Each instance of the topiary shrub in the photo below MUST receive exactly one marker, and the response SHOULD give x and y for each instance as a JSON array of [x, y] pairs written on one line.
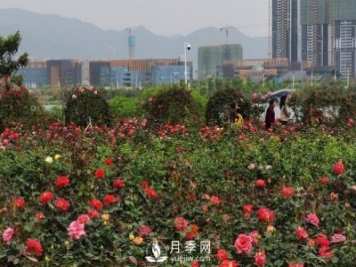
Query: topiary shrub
[[86, 105], [322, 105], [174, 105], [17, 105], [218, 106]]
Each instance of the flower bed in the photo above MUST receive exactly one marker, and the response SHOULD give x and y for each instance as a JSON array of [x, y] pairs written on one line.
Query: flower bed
[[107, 196]]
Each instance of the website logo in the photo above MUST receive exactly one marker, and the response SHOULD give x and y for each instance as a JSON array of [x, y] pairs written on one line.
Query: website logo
[[156, 253]]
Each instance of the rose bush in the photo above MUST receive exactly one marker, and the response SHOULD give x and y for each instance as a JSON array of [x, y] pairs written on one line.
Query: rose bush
[[101, 196]]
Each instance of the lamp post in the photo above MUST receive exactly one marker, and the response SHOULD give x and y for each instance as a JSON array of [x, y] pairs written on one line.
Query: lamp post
[[186, 47]]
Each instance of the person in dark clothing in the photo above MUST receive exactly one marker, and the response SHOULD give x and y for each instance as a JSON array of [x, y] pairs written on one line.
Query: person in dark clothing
[[270, 115]]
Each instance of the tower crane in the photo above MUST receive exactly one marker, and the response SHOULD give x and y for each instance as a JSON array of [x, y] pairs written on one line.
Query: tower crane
[[227, 27]]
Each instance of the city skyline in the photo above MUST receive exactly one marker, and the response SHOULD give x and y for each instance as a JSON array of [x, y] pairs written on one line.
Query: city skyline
[[173, 17]]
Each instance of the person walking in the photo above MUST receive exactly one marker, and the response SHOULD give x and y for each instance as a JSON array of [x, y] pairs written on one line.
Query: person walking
[[270, 115], [285, 114]]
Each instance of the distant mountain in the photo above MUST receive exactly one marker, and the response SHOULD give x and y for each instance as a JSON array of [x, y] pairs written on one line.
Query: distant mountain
[[56, 37]]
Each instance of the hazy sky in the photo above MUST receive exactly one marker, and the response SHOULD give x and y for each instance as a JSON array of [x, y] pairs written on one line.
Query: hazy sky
[[163, 17]]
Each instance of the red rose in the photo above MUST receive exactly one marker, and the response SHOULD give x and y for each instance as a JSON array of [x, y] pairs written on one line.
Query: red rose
[[195, 264], [19, 203], [260, 183], [322, 240], [339, 167], [119, 183], [96, 204], [247, 208], [221, 255], [46, 196], [265, 215], [287, 192], [62, 204], [109, 199], [150, 192], [243, 244], [144, 184], [108, 161], [62, 181], [144, 231], [33, 245], [301, 233], [100, 173], [325, 252]]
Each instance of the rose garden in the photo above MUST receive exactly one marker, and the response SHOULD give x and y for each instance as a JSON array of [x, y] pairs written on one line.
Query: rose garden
[[90, 186]]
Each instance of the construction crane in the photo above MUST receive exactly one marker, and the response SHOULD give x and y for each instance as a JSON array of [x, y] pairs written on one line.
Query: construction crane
[[226, 30], [131, 42]]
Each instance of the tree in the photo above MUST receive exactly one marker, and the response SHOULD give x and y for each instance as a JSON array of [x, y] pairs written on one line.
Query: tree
[[8, 65], [17, 105]]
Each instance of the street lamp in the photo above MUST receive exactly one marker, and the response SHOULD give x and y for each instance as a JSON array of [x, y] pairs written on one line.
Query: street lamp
[[186, 47]]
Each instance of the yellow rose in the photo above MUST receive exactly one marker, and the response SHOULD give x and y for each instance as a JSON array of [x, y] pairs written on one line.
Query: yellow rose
[[131, 237], [49, 159], [138, 240], [105, 217], [57, 156]]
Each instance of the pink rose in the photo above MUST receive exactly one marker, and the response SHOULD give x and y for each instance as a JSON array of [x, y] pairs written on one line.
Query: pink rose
[[312, 219], [243, 243], [338, 238], [76, 230], [7, 235]]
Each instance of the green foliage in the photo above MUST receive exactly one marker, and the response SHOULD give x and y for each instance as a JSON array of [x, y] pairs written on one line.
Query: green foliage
[[124, 107], [86, 105], [8, 49], [173, 106]]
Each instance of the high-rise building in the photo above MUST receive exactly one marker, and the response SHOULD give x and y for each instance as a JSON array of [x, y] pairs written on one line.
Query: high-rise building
[[317, 32], [328, 34], [344, 22], [210, 59], [286, 29]]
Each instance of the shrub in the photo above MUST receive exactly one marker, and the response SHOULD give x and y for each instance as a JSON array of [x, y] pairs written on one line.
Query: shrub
[[17, 105], [86, 105], [219, 104], [173, 106]]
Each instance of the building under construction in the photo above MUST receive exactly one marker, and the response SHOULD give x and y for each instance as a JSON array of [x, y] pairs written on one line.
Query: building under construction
[[328, 34], [285, 29], [211, 58], [322, 32]]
